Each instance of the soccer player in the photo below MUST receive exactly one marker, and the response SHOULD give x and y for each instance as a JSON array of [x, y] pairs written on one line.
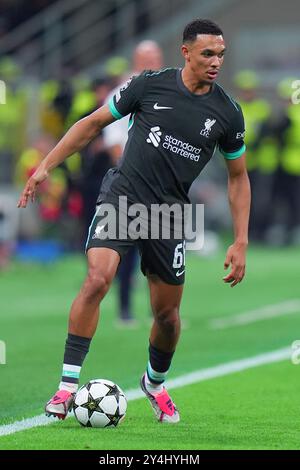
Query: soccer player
[[179, 116]]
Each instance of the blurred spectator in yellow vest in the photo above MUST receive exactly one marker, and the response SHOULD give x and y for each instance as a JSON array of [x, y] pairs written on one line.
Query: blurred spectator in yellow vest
[[285, 195], [257, 113], [55, 104], [51, 193], [57, 202], [12, 118]]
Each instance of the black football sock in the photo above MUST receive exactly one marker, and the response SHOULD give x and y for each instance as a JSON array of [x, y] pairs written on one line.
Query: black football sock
[[158, 366], [76, 349]]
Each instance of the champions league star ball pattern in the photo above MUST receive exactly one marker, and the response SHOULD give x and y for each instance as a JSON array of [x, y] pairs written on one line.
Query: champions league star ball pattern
[[100, 404]]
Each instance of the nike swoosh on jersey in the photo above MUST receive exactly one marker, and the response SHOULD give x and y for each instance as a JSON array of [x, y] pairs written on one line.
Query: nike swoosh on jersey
[[161, 107], [179, 273]]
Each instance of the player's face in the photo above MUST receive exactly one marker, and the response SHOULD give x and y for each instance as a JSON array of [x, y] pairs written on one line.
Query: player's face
[[204, 57]]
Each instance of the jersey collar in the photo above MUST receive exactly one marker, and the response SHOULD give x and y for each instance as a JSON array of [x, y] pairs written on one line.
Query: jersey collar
[[187, 92]]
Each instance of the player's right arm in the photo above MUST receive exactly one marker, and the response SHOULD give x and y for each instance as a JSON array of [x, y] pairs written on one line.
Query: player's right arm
[[126, 101], [77, 137]]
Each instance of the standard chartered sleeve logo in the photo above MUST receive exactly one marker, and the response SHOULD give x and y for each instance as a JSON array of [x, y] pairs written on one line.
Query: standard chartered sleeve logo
[[2, 352], [154, 136], [2, 92]]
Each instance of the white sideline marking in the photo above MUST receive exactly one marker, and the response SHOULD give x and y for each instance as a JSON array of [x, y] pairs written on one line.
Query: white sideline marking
[[182, 381], [252, 316]]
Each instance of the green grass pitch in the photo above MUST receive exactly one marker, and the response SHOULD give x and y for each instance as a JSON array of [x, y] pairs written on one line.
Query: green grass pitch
[[253, 409]]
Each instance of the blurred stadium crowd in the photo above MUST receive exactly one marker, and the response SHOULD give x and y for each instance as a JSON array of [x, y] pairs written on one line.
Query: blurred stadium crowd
[[67, 198]]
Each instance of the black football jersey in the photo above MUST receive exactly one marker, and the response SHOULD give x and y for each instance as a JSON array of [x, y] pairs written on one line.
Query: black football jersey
[[172, 135]]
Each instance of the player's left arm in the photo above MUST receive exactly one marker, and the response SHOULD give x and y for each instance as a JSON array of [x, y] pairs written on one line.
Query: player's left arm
[[239, 195]]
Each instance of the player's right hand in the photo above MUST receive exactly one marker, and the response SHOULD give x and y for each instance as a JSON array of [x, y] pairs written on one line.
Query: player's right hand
[[29, 191]]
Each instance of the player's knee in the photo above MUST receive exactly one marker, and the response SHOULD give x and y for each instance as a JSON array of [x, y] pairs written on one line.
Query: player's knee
[[168, 318], [97, 283]]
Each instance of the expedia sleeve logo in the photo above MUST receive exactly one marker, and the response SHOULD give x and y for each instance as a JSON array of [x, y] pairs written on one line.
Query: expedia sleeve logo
[[240, 135]]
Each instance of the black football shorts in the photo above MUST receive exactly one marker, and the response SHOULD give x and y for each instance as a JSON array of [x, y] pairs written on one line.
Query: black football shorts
[[163, 257]]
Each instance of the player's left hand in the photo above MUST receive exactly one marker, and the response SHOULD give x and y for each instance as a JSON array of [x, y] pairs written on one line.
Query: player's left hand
[[236, 257]]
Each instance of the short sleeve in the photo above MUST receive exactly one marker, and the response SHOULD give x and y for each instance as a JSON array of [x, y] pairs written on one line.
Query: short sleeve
[[232, 145], [128, 98]]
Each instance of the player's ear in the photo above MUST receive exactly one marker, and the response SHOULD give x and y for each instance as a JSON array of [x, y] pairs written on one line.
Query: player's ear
[[185, 52]]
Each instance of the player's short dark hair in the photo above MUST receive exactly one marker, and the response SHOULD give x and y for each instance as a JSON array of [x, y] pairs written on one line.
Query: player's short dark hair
[[200, 26]]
